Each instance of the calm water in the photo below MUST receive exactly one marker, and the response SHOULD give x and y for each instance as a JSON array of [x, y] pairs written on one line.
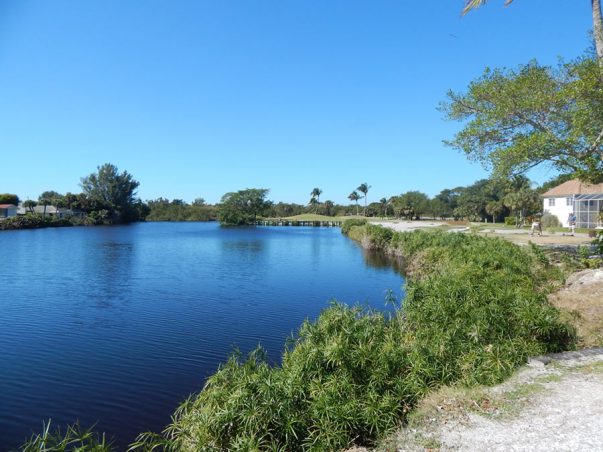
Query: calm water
[[117, 325]]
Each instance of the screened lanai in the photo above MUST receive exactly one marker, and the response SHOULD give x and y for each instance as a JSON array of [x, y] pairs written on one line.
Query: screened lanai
[[589, 209]]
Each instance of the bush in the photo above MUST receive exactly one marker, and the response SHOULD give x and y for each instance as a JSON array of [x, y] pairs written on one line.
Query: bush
[[510, 221], [349, 224], [550, 221]]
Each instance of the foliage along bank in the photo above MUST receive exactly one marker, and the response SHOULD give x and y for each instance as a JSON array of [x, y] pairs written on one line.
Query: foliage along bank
[[475, 310]]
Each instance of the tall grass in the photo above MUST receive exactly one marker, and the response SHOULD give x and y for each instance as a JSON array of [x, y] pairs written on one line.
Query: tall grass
[[475, 309]]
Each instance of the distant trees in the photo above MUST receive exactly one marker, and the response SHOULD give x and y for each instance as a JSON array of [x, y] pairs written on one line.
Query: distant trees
[[112, 191], [243, 207], [177, 210], [9, 198]]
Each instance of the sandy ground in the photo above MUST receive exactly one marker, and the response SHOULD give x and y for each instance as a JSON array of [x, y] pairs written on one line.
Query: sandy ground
[[567, 415], [554, 403]]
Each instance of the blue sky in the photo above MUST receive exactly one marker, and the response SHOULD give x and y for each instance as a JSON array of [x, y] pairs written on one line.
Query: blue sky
[[198, 98]]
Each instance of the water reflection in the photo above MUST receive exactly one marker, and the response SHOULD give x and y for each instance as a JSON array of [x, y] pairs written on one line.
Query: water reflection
[[380, 260]]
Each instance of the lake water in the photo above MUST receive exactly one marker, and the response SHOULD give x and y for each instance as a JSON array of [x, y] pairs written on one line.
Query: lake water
[[117, 325]]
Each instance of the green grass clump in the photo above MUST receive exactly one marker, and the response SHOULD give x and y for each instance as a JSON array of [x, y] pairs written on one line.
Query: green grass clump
[[74, 438], [475, 309]]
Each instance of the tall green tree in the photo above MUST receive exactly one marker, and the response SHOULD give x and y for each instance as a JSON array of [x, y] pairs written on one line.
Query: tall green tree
[[112, 190], [354, 196], [514, 120], [595, 6], [243, 207], [364, 188]]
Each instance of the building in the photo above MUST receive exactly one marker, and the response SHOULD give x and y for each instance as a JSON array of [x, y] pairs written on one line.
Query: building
[[584, 200], [8, 210]]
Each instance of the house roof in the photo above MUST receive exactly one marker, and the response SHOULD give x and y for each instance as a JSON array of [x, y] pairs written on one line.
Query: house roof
[[574, 187], [6, 206]]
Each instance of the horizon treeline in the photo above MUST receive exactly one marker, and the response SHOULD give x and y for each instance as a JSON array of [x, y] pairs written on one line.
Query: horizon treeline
[[110, 197]]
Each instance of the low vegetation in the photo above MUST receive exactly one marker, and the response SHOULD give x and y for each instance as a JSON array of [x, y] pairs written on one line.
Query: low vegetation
[[475, 309]]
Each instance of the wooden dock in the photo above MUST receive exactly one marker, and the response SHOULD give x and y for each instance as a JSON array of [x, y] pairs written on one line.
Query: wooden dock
[[283, 222]]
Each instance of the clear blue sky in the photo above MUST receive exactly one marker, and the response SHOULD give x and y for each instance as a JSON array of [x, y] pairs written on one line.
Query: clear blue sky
[[198, 98]]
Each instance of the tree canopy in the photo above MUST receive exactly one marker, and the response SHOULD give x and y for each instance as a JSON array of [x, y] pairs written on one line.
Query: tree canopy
[[9, 198], [111, 190], [243, 207], [517, 119]]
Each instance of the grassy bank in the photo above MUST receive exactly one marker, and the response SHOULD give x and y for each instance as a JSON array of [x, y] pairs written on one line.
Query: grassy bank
[[475, 309]]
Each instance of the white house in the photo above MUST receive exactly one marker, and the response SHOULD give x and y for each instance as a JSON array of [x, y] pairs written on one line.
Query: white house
[[8, 210], [584, 200]]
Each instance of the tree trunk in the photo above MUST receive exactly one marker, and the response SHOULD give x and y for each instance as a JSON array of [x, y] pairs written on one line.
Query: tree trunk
[[598, 28]]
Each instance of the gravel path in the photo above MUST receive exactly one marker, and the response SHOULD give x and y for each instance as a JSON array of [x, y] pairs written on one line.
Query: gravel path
[[567, 416]]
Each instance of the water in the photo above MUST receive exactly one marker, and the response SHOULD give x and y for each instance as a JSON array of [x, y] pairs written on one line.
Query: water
[[117, 325]]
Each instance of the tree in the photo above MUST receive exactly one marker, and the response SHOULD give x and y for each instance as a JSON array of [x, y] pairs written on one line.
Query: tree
[[522, 202], [315, 198], [494, 209], [329, 205], [354, 196], [9, 198], [112, 191], [515, 120], [596, 14], [243, 207], [49, 197], [413, 203], [364, 188], [384, 204], [29, 204]]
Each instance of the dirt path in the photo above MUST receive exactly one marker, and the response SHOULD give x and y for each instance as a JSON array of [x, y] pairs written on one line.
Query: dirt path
[[552, 404], [565, 412]]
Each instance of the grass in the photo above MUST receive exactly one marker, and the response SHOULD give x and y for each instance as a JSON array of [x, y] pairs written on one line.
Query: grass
[[475, 309]]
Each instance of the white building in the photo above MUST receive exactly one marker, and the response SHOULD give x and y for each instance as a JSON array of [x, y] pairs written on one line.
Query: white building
[[8, 210], [584, 200]]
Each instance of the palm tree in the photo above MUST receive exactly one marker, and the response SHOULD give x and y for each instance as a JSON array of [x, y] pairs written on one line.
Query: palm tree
[[29, 205], [384, 203], [596, 13], [364, 188], [315, 197], [314, 202], [354, 196]]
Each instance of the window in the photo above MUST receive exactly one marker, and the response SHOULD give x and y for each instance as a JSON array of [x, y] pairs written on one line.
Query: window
[[569, 202], [551, 202]]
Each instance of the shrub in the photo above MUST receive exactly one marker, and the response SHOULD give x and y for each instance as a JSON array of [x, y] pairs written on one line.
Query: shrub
[[349, 224], [510, 221], [550, 221]]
